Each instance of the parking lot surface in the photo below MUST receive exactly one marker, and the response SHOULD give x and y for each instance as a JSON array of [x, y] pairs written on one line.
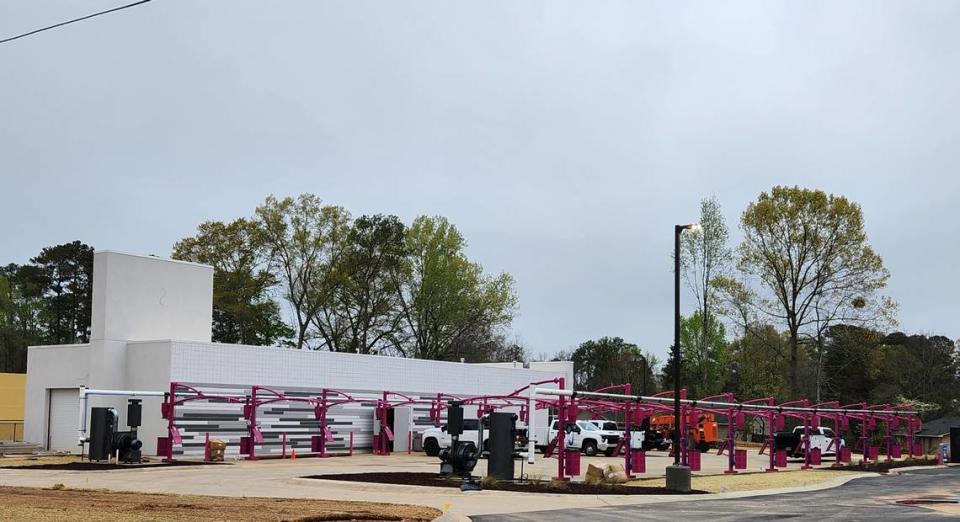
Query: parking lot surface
[[868, 498]]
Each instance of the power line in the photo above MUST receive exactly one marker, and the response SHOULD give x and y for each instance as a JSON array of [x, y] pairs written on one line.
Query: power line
[[54, 26]]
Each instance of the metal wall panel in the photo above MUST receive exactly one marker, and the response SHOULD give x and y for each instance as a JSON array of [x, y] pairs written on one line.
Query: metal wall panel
[[224, 421], [63, 412], [232, 369]]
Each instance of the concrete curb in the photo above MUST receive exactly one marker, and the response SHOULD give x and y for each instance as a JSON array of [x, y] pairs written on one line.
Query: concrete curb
[[897, 471], [452, 516]]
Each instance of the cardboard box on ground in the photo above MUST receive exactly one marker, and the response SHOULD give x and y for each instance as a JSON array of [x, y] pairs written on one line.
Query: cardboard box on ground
[[609, 474], [216, 448]]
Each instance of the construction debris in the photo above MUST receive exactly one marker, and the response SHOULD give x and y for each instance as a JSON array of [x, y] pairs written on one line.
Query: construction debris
[[609, 474]]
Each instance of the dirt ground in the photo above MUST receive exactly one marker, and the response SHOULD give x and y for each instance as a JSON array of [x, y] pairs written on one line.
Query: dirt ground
[[753, 481], [47, 505], [19, 460], [65, 464]]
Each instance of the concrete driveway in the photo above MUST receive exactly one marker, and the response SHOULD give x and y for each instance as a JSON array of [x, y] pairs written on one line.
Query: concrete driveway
[[869, 498]]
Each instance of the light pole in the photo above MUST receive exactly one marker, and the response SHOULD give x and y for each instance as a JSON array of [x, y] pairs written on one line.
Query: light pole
[[678, 477]]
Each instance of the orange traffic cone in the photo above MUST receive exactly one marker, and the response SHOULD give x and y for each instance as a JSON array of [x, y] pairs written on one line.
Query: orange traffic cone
[[293, 454]]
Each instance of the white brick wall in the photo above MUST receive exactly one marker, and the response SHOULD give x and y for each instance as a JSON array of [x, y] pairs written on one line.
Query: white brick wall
[[213, 363]]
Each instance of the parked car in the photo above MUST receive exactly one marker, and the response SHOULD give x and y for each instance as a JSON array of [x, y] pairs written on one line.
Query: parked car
[[640, 436], [435, 439], [820, 437], [588, 437]]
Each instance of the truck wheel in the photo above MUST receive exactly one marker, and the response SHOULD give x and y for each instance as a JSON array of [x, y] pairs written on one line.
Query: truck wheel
[[431, 447], [589, 448]]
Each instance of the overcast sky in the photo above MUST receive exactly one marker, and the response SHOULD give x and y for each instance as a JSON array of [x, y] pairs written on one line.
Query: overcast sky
[[564, 139]]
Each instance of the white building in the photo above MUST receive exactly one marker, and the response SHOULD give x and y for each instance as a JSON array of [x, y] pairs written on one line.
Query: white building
[[151, 324]]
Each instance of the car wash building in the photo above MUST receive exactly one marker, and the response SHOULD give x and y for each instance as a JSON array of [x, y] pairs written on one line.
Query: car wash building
[[151, 325]]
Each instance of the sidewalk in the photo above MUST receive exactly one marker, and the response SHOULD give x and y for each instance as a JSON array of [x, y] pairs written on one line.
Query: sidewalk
[[280, 479]]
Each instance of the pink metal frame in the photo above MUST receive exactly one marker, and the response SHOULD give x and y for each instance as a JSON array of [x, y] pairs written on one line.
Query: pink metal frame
[[567, 408]]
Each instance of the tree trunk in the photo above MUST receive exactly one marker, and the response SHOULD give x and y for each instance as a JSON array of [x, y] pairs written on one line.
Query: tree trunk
[[792, 368], [301, 335], [819, 367]]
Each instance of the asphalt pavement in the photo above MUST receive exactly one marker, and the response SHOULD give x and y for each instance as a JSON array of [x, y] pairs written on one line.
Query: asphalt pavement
[[869, 498]]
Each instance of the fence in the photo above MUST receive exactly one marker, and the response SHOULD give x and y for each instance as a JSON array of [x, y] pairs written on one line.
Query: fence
[[11, 430]]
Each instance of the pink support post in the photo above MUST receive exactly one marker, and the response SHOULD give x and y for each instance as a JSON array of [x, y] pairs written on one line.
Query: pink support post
[[807, 421], [914, 426], [323, 423], [627, 454], [171, 421], [888, 435], [772, 444], [283, 448], [206, 447], [773, 420], [252, 424], [731, 441], [561, 433], [351, 445], [685, 411], [838, 429], [864, 438]]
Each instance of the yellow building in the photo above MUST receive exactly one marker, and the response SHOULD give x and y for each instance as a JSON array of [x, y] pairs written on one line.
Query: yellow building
[[12, 387]]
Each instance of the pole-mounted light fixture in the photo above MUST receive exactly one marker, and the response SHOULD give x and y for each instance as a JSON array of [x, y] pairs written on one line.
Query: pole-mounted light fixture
[[678, 230]]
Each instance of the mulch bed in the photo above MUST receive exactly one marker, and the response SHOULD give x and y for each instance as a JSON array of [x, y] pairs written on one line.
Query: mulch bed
[[884, 467], [435, 480], [105, 466]]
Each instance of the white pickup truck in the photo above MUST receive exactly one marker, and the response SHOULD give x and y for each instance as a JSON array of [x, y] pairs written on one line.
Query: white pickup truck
[[640, 438], [820, 437], [590, 437], [435, 439]]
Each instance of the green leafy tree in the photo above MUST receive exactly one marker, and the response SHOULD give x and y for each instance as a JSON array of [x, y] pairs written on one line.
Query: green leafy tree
[[705, 358], [610, 361], [759, 364], [484, 346], [809, 251], [443, 295], [704, 256], [22, 315], [367, 308], [917, 368], [243, 309], [65, 276], [304, 240], [849, 353], [734, 300]]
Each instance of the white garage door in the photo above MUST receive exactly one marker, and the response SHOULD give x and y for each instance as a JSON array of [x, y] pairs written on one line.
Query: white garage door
[[62, 424]]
